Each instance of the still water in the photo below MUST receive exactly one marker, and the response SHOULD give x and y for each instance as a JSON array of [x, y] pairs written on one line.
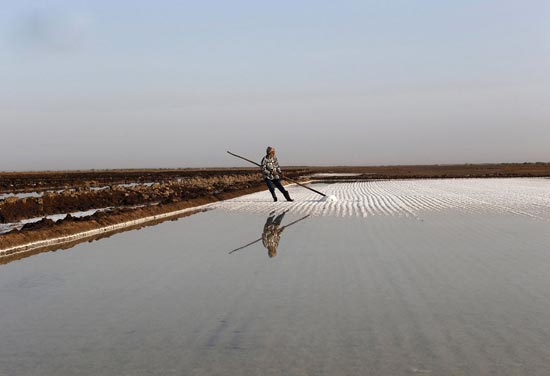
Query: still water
[[448, 294]]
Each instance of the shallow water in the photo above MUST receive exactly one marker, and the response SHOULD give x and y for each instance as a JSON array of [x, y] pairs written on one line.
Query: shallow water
[[4, 196], [448, 292], [7, 227]]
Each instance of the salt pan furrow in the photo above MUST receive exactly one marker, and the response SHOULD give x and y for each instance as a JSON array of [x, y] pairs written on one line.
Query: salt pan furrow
[[406, 203], [376, 205], [499, 208], [363, 210], [403, 207], [458, 202], [364, 194], [411, 202], [305, 208], [471, 199], [407, 208], [388, 209], [332, 209], [427, 199], [450, 200], [346, 209], [382, 205], [428, 203], [506, 201], [455, 199], [390, 205], [539, 207], [370, 205], [355, 209], [425, 203]]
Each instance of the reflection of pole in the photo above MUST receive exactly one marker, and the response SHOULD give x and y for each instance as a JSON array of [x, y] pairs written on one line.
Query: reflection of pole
[[256, 241], [244, 246]]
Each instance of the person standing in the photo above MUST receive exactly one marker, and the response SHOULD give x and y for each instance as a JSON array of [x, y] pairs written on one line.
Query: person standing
[[272, 174]]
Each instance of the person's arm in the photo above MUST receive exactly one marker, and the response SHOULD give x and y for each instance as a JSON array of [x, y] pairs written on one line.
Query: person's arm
[[277, 167]]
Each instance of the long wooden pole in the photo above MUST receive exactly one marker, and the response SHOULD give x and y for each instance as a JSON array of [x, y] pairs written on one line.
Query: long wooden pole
[[289, 179]]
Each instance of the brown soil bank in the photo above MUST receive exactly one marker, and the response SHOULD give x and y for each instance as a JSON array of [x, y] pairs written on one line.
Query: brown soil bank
[[44, 180], [11, 182], [13, 209], [539, 169]]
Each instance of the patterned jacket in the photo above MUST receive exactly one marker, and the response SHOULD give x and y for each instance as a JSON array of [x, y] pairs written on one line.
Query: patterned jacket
[[270, 168], [271, 235]]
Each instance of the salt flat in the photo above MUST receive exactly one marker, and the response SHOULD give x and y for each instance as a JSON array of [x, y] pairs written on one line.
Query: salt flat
[[518, 196], [431, 277]]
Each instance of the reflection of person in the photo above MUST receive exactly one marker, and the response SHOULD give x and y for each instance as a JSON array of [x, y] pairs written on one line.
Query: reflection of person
[[272, 233], [272, 174]]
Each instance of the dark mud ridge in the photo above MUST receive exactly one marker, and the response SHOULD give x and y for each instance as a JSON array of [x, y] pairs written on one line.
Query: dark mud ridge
[[56, 180], [85, 198]]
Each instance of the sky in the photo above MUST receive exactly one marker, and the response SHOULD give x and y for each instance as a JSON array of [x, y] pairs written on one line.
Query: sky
[[143, 84]]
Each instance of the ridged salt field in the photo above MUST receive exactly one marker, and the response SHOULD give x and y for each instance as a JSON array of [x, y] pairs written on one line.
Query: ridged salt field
[[524, 197], [411, 277]]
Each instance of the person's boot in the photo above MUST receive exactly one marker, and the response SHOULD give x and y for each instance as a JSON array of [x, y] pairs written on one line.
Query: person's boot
[[287, 196], [274, 196]]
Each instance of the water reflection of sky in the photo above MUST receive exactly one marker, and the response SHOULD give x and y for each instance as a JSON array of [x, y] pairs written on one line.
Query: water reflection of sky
[[454, 293]]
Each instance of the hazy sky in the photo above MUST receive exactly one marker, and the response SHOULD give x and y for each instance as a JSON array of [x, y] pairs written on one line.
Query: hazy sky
[[113, 84]]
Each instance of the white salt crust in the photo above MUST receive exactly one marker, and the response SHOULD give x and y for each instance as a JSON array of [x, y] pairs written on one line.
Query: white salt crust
[[528, 197]]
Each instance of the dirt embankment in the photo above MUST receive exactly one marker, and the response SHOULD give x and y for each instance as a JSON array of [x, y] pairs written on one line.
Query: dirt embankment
[[13, 209], [11, 182], [502, 170], [15, 182]]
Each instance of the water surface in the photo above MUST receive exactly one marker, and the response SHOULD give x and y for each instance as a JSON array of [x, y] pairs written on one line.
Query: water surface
[[446, 293]]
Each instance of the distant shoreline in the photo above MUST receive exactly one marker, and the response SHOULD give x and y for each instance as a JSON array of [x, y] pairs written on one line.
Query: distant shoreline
[[44, 180]]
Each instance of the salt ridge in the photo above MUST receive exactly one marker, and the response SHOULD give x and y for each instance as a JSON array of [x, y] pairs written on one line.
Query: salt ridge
[[527, 197]]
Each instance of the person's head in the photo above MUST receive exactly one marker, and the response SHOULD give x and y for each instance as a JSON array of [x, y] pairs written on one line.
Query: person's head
[[271, 251], [270, 151]]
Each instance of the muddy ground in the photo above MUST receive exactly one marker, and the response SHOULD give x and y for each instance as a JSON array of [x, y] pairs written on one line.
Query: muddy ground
[[11, 182], [84, 198], [38, 181], [503, 170]]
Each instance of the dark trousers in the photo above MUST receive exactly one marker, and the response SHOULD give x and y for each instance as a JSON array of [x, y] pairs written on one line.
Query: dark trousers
[[271, 184]]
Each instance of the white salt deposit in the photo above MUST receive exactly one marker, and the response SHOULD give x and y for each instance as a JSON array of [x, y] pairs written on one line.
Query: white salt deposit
[[527, 197], [331, 198]]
